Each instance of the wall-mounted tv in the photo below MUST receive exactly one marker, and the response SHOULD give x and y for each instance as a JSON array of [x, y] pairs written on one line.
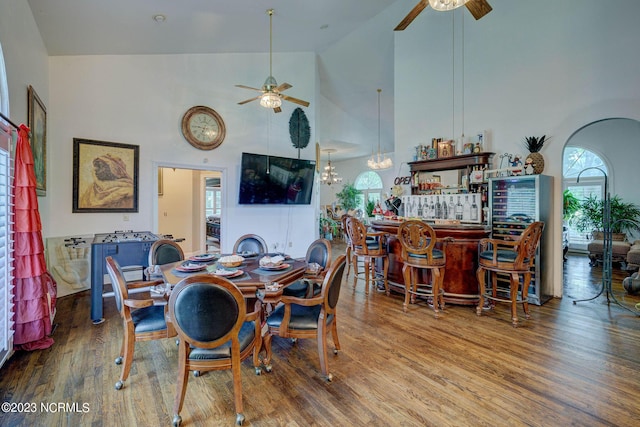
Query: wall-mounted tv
[[275, 180]]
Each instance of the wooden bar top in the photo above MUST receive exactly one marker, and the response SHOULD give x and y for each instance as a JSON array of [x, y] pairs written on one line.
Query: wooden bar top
[[460, 283]]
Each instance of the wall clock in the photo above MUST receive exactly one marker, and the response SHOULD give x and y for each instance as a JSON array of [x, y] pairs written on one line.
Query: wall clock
[[203, 127]]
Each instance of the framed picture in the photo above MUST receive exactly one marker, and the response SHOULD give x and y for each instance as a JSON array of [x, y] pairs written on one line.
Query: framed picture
[[467, 148], [105, 176], [446, 149], [38, 125]]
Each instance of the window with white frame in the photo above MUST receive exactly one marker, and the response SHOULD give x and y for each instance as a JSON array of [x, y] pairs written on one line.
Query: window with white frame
[[370, 184], [6, 248], [580, 162]]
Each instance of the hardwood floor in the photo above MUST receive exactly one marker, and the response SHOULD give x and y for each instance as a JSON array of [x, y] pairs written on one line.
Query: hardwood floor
[[568, 365]]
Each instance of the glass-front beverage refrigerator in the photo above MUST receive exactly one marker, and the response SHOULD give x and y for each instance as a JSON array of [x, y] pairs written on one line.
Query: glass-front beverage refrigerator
[[515, 202]]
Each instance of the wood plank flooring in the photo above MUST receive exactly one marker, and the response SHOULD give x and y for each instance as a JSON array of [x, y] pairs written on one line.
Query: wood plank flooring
[[568, 365]]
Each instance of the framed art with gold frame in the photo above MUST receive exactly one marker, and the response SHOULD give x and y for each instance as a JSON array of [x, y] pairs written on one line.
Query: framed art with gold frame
[[105, 176], [446, 149], [37, 119]]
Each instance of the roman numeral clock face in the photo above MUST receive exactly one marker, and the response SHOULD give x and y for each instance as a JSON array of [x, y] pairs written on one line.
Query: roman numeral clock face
[[203, 127]]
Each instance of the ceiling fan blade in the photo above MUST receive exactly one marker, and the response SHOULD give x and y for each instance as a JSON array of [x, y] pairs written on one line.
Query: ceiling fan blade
[[249, 87], [411, 16], [277, 110], [282, 87], [249, 100], [478, 8], [295, 100]]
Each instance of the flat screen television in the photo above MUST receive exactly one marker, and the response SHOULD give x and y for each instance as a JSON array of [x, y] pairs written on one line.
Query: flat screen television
[[266, 180]]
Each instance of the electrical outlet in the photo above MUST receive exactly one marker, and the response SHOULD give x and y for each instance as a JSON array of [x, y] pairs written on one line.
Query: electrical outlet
[[125, 217], [290, 244]]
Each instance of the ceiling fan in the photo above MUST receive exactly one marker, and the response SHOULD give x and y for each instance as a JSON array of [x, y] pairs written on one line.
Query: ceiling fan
[[478, 9], [272, 96]]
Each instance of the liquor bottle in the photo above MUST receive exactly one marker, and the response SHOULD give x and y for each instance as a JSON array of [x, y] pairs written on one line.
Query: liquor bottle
[[459, 209], [452, 209], [419, 207], [438, 209], [445, 210], [432, 209], [474, 209], [426, 206], [466, 209]]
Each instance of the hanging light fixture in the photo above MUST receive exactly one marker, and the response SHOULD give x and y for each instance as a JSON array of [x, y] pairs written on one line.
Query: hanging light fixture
[[379, 161], [444, 5], [329, 174], [270, 99]]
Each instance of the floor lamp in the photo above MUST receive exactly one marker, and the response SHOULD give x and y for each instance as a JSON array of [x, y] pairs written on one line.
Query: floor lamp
[[607, 254]]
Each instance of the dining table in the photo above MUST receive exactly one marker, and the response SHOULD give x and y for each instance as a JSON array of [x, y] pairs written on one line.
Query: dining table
[[249, 276], [259, 285]]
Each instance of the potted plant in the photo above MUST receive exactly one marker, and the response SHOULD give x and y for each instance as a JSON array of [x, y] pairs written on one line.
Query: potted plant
[[348, 197], [570, 205], [328, 227], [624, 218], [371, 205]]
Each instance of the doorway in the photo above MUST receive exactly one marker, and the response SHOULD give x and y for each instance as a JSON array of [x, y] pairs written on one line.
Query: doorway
[[183, 203]]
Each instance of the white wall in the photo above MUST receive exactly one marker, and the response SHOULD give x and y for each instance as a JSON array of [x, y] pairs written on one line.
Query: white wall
[[26, 64], [531, 68], [140, 100]]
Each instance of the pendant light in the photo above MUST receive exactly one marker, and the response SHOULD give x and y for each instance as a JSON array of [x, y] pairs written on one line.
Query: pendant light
[[379, 161], [329, 174]]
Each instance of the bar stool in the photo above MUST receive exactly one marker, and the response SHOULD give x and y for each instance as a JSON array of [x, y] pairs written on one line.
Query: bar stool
[[369, 247], [418, 241], [513, 258], [347, 241]]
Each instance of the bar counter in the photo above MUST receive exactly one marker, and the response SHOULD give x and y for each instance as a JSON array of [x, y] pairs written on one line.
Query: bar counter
[[460, 283]]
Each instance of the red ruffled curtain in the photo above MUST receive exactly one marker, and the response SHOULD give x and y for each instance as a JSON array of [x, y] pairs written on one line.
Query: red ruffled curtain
[[34, 288]]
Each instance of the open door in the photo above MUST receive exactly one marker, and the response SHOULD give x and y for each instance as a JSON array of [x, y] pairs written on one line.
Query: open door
[[203, 199]]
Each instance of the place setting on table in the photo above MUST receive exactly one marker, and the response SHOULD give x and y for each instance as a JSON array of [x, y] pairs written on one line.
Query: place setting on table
[[248, 271]]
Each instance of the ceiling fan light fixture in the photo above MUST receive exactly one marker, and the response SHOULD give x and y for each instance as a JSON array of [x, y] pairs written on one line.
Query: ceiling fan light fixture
[[444, 5], [270, 100]]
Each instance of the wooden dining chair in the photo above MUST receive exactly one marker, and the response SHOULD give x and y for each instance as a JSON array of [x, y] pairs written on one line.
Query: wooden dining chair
[[347, 241], [513, 259], [250, 243], [216, 333], [165, 251], [141, 319], [318, 252], [369, 247], [310, 317], [418, 240]]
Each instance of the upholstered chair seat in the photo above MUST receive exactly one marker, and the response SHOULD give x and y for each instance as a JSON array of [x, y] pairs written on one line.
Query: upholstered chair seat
[[149, 319], [319, 252], [215, 331], [311, 317]]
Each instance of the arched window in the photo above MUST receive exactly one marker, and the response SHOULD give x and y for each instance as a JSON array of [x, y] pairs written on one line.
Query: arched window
[[370, 184], [576, 160]]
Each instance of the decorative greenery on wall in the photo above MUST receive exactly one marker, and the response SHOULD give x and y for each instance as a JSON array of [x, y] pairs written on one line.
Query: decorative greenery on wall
[[299, 129]]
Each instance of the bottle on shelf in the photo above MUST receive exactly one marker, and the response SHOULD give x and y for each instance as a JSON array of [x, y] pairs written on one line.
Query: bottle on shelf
[[438, 209], [474, 209], [466, 208], [445, 209], [459, 210], [432, 208], [451, 209]]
